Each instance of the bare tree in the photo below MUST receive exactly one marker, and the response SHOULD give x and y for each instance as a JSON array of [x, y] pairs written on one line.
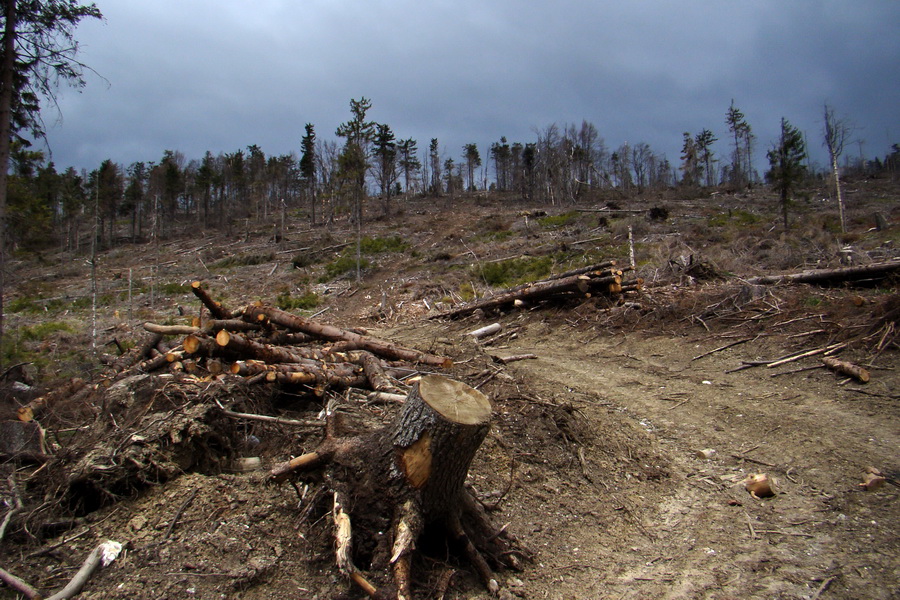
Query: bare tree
[[837, 133]]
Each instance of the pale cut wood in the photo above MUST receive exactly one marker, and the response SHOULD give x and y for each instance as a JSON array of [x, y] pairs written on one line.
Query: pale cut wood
[[454, 400], [846, 368]]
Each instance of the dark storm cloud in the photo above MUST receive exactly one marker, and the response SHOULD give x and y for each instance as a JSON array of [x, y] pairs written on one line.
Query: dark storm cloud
[[196, 76]]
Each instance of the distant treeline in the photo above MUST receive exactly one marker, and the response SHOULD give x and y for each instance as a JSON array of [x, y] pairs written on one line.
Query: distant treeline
[[344, 175]]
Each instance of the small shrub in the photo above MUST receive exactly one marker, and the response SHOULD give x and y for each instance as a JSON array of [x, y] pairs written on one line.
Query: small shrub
[[246, 260], [301, 261], [175, 289], [515, 271], [345, 264], [285, 301], [394, 243], [659, 213], [558, 221], [467, 292], [41, 331]]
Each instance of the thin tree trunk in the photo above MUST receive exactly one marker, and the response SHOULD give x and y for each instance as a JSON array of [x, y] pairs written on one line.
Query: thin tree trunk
[[7, 69], [837, 187]]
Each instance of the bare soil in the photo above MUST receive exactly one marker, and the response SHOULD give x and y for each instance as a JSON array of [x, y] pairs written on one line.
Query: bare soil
[[592, 461]]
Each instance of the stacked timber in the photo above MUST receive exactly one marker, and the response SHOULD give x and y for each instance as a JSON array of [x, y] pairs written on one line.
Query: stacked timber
[[266, 344], [602, 279]]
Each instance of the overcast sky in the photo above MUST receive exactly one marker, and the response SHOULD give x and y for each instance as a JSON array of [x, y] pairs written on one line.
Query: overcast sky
[[219, 75]]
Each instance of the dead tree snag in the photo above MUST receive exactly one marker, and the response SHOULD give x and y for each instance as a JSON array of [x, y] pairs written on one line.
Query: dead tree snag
[[408, 479]]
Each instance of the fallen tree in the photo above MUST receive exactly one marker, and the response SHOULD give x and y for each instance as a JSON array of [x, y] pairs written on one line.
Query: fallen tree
[[602, 278], [832, 276]]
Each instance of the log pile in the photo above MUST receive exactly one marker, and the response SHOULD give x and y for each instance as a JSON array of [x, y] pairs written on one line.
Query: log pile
[[265, 344], [603, 279]]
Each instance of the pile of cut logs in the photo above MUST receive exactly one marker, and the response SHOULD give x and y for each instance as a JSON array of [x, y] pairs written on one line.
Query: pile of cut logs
[[599, 279], [263, 343]]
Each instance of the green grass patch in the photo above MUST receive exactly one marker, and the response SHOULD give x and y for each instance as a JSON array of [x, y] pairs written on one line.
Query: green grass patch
[[286, 301], [343, 265], [394, 243], [512, 272], [733, 217], [246, 260], [20, 345], [467, 292], [174, 289], [41, 331], [558, 221]]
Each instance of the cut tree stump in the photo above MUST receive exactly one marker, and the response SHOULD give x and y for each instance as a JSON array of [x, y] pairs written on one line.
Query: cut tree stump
[[408, 479]]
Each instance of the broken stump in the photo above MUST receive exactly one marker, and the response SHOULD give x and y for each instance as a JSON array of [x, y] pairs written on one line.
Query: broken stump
[[407, 479]]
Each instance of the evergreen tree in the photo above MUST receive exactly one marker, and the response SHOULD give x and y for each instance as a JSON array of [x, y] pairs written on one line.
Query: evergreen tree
[[473, 161], [384, 153], [38, 51], [742, 153], [529, 166], [690, 161], [110, 190], [703, 145], [409, 161], [434, 158], [308, 168], [353, 161], [135, 195], [204, 182], [786, 166], [501, 155]]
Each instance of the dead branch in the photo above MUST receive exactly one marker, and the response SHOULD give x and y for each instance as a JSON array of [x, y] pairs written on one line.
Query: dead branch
[[846, 368], [270, 419], [103, 554], [19, 585], [260, 313]]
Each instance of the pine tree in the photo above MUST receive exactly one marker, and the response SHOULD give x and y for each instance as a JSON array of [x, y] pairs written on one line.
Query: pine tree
[[308, 168], [786, 167], [434, 157], [742, 152], [690, 162], [38, 51], [353, 160], [409, 161], [384, 153], [703, 144], [473, 161]]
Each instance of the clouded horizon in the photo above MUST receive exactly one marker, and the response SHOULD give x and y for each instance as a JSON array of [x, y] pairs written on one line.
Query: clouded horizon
[[220, 75]]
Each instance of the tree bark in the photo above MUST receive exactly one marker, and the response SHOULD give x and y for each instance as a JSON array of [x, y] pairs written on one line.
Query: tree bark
[[873, 271], [584, 283], [215, 308], [407, 476], [846, 368], [7, 70]]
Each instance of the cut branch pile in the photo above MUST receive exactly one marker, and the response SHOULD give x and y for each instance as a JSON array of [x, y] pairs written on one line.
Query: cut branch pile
[[599, 279], [266, 344]]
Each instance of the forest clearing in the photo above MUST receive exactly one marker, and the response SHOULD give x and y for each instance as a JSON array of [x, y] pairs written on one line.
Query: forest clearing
[[629, 408]]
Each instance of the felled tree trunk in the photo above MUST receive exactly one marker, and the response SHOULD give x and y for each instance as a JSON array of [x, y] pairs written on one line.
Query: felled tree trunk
[[604, 281], [832, 276], [408, 478]]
